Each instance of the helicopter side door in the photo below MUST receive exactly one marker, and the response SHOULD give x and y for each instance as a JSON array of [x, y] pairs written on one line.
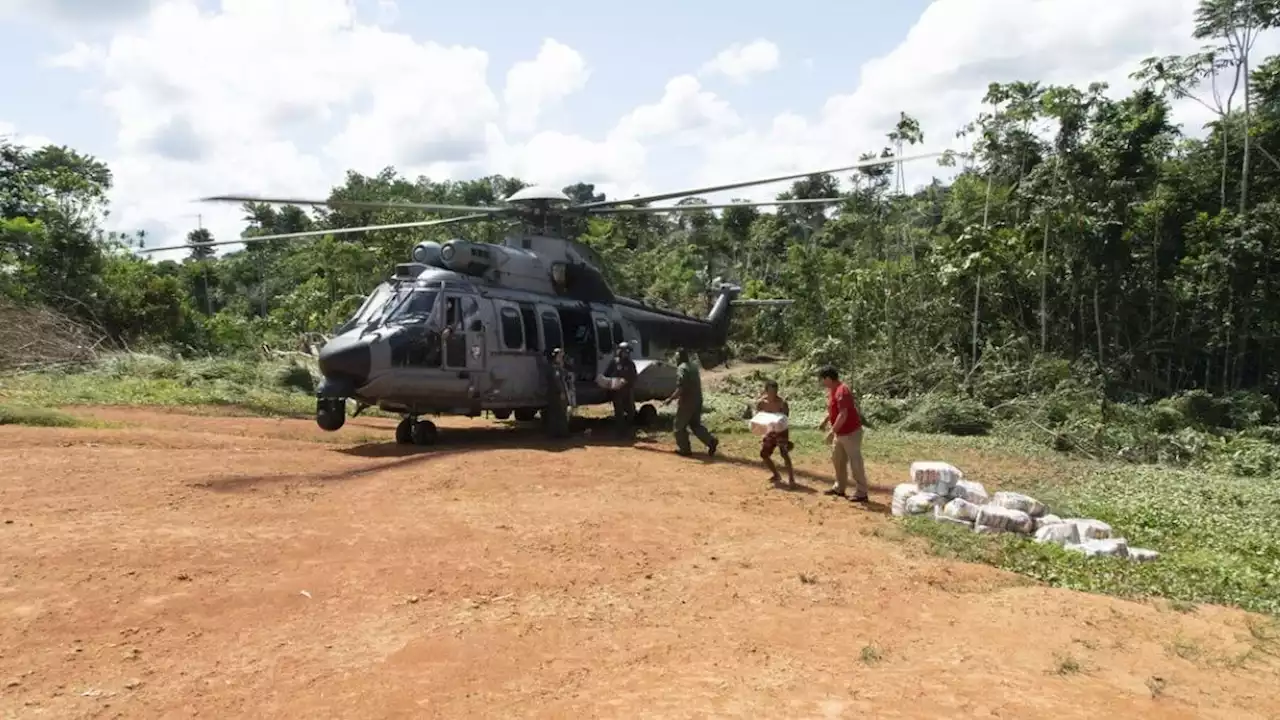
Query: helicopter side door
[[464, 346]]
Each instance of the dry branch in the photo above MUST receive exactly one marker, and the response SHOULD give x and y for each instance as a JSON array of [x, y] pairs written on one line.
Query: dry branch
[[35, 338]]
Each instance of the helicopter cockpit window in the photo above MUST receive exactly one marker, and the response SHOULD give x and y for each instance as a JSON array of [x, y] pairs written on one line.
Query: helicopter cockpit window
[[512, 329], [372, 305], [412, 306]]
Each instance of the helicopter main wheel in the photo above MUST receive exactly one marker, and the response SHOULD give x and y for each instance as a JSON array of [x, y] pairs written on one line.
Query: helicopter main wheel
[[331, 413], [647, 415], [404, 432], [423, 432], [502, 414], [526, 414]]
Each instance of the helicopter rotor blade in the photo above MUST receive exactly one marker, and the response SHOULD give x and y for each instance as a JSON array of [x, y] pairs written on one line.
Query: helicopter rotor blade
[[872, 162], [369, 205], [690, 208], [318, 233]]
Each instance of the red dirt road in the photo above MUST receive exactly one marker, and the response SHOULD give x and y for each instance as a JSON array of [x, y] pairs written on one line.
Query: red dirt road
[[178, 566]]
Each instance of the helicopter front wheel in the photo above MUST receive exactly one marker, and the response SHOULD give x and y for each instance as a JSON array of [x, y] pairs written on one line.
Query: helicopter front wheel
[[331, 413], [411, 431]]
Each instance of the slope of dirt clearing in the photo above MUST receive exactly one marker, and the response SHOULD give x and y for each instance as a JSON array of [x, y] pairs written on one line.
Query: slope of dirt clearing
[[177, 565]]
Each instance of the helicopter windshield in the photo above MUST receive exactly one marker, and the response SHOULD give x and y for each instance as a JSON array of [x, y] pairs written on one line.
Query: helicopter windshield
[[410, 305], [373, 305]]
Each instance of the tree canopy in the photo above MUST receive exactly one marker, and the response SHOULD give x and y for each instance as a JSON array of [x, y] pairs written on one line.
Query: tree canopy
[[1086, 233]]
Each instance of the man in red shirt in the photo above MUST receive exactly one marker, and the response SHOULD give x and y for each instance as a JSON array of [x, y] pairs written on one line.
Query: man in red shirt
[[845, 435]]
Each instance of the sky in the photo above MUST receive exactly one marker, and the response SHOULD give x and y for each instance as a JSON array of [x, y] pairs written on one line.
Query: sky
[[189, 98]]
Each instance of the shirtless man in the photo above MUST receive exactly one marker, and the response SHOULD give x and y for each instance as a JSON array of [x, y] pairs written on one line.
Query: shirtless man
[[772, 402]]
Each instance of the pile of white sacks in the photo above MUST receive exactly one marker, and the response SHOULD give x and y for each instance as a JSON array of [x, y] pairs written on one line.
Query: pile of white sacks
[[940, 488]]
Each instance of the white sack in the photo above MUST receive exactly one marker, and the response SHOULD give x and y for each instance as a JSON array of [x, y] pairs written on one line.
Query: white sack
[[921, 503], [1059, 533], [939, 515], [1003, 519], [1113, 547], [961, 509], [1018, 501], [608, 383], [935, 477], [1047, 520], [971, 491], [1143, 555], [1091, 529], [901, 494], [765, 422]]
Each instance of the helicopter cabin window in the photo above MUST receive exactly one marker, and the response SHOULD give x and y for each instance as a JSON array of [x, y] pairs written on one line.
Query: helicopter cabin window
[[604, 343], [551, 331], [530, 322], [512, 329]]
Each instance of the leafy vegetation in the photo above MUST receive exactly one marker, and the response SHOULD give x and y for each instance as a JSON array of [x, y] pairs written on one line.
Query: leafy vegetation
[[1093, 281], [35, 416]]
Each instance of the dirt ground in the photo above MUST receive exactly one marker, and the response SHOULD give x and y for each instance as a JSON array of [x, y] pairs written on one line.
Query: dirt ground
[[175, 565]]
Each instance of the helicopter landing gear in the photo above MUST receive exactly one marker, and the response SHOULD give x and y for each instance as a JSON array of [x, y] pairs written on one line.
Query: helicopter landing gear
[[411, 431], [526, 414], [646, 415], [502, 414], [331, 413]]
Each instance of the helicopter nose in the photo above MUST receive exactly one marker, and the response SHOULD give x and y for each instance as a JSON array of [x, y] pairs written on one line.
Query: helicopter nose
[[347, 358]]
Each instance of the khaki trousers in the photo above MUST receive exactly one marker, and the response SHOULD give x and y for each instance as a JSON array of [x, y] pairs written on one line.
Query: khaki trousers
[[846, 453]]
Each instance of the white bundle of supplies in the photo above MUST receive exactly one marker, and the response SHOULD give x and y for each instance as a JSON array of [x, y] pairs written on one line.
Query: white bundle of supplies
[[608, 383], [939, 490], [935, 477], [901, 494], [764, 423]]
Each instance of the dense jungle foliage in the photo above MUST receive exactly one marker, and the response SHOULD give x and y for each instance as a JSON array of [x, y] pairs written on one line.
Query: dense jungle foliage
[[1094, 274]]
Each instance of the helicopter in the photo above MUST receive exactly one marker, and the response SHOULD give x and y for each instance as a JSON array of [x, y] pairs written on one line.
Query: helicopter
[[467, 327]]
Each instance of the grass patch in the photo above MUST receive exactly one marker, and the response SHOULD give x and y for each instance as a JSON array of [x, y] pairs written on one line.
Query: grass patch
[[1215, 534], [267, 388], [871, 654], [1065, 664], [36, 417]]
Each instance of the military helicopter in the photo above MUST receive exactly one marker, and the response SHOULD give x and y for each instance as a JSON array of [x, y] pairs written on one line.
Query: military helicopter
[[466, 327]]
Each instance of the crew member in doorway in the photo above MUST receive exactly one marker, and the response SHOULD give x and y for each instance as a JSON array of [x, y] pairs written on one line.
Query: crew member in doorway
[[564, 374], [844, 437], [624, 397], [688, 394], [780, 441]]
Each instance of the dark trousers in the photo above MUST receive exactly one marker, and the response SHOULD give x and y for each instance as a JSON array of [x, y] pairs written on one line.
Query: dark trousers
[[624, 407], [690, 419]]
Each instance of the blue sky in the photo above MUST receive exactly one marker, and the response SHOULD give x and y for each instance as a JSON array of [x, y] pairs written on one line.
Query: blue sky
[[282, 96]]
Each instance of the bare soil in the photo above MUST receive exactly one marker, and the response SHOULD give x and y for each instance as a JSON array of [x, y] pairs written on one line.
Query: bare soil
[[179, 565]]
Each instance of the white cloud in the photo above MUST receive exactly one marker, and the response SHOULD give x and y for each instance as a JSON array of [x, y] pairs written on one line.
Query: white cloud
[[685, 111], [533, 86], [740, 62], [940, 71], [11, 133]]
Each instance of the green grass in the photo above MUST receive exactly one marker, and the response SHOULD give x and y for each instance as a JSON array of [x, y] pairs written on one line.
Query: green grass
[[273, 389], [1214, 532], [36, 417]]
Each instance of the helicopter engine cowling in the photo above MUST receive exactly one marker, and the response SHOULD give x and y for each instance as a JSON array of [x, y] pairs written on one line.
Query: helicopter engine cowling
[[467, 257], [427, 253]]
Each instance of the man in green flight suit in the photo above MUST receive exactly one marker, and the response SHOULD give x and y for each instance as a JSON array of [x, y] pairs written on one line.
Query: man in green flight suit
[[689, 408]]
